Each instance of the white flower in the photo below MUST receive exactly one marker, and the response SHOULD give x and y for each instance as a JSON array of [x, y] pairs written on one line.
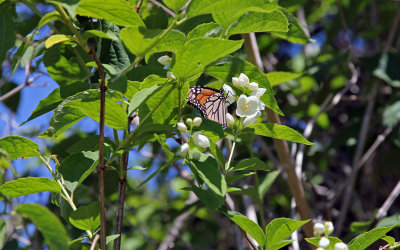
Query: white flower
[[164, 60], [244, 80], [328, 227], [341, 246], [181, 127], [170, 75], [230, 94], [323, 242], [318, 229], [253, 86], [320, 248], [229, 120], [201, 140], [189, 121], [197, 121], [236, 81], [249, 120], [196, 155], [184, 149], [247, 106], [258, 93]]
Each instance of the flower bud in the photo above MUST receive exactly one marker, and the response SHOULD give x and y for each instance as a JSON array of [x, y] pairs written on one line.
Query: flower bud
[[318, 229], [249, 120], [253, 86], [244, 80], [229, 120], [189, 122], [164, 60], [236, 81], [328, 227], [197, 121], [170, 75], [323, 242], [201, 140], [341, 246], [181, 127], [184, 149]]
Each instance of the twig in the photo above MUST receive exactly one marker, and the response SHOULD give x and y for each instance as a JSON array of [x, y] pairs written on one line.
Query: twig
[[328, 104], [170, 12], [138, 5], [121, 194], [389, 202], [101, 167], [364, 130], [20, 87], [179, 222], [282, 149], [94, 243]]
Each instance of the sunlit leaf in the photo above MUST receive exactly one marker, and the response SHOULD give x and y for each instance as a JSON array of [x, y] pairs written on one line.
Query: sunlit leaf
[[279, 132], [29, 185], [18, 146]]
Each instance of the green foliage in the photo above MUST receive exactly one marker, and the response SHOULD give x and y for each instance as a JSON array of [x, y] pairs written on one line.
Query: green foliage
[[29, 185], [18, 146], [118, 43], [278, 230], [47, 223]]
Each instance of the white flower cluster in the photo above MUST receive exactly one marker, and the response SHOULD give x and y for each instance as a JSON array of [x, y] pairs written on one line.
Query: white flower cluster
[[251, 106], [326, 229], [198, 139]]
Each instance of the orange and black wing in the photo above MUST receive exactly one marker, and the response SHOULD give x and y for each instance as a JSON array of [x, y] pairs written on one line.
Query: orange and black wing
[[210, 102]]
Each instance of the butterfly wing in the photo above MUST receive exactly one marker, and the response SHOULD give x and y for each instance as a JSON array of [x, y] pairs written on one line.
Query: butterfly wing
[[210, 102]]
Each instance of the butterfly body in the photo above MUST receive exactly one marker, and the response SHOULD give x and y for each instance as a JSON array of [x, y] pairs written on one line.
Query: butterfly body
[[210, 102]]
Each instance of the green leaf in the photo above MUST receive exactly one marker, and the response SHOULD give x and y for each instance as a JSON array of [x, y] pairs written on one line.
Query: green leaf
[[207, 169], [230, 67], [3, 230], [87, 103], [217, 153], [266, 183], [141, 96], [7, 29], [163, 142], [18, 146], [55, 39], [69, 5], [205, 30], [364, 240], [113, 52], [249, 164], [47, 223], [332, 241], [260, 22], [98, 33], [278, 77], [122, 13], [279, 230], [238, 176], [29, 185], [208, 197], [55, 98], [383, 66], [192, 59], [111, 238], [247, 225], [296, 33], [77, 167], [360, 226], [226, 12], [86, 217], [63, 70], [391, 114], [137, 39], [175, 5], [48, 17], [278, 132]]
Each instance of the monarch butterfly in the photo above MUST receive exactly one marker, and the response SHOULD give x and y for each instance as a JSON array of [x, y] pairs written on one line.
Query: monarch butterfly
[[210, 102]]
